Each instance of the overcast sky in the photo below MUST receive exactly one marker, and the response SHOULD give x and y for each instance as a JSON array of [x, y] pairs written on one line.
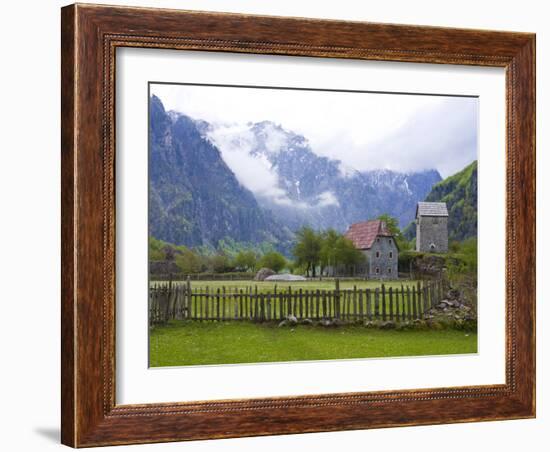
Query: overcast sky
[[364, 130]]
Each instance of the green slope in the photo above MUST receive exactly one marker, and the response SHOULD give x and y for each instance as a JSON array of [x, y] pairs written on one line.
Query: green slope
[[460, 193]]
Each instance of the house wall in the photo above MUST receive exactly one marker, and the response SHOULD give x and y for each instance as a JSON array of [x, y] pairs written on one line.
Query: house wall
[[386, 265], [432, 230]]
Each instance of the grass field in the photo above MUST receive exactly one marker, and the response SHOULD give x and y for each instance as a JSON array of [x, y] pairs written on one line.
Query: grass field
[[198, 343], [268, 286]]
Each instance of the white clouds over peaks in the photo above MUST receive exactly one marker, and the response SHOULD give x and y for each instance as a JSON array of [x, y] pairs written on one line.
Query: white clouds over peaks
[[235, 142], [365, 131]]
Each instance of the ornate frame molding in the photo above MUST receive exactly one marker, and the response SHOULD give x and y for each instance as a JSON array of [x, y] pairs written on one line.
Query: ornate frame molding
[[90, 37]]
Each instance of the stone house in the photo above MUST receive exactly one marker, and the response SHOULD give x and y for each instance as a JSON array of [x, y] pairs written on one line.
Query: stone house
[[431, 227], [378, 244]]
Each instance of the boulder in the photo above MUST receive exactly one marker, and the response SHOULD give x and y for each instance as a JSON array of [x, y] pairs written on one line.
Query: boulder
[[389, 325], [291, 320], [283, 323], [453, 294], [263, 273]]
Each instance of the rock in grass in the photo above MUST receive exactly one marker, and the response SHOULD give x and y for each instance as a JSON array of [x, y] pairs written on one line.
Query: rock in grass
[[389, 325], [291, 319], [263, 273]]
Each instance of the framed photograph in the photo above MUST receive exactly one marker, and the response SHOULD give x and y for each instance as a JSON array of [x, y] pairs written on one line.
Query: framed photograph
[[281, 225]]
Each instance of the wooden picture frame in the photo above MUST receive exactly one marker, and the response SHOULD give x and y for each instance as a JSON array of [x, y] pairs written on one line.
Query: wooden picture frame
[[90, 36]]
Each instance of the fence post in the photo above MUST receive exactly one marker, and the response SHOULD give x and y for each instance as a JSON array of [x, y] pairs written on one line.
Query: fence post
[[409, 303], [419, 292], [189, 297], [218, 304], [255, 303], [403, 311], [415, 310], [317, 297], [337, 298], [369, 305], [207, 303], [354, 302], [376, 303], [391, 302], [383, 303], [361, 314]]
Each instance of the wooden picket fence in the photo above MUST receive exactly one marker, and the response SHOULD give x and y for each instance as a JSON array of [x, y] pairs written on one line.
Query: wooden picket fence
[[182, 301]]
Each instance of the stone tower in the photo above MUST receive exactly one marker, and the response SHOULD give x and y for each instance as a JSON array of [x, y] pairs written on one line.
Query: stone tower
[[431, 227]]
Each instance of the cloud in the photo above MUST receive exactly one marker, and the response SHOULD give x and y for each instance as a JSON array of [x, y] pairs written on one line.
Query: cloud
[[442, 137], [402, 132], [327, 198], [235, 141]]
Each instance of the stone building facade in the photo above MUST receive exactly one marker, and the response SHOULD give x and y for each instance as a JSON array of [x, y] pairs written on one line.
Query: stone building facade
[[431, 227], [378, 244]]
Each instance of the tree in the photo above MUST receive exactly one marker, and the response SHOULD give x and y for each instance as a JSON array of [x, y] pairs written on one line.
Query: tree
[[273, 260], [189, 261], [156, 249], [308, 249], [220, 263], [246, 260], [338, 250], [328, 254], [346, 253], [393, 226]]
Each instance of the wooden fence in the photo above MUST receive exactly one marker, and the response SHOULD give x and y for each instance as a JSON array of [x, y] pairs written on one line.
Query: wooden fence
[[182, 301]]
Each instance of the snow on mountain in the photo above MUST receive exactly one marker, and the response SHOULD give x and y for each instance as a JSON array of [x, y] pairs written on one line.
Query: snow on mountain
[[287, 176]]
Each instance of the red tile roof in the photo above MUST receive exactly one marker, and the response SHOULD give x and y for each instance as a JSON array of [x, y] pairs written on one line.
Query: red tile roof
[[363, 234]]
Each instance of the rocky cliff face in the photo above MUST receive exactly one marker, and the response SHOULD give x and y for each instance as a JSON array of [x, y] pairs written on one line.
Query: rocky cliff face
[[194, 198], [319, 191]]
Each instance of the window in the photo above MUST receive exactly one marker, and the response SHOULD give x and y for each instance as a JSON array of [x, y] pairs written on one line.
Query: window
[[389, 270], [377, 270], [391, 254], [378, 240], [436, 220], [432, 246], [377, 254], [389, 241]]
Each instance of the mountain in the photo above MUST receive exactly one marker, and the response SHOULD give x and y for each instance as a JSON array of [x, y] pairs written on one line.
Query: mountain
[[315, 190], [460, 193], [257, 183], [194, 197]]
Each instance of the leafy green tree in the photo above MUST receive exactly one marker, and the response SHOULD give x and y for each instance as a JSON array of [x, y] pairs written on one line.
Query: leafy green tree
[[393, 226], [307, 250], [273, 260], [328, 254], [246, 260], [346, 253], [220, 263], [156, 249], [337, 249], [189, 261]]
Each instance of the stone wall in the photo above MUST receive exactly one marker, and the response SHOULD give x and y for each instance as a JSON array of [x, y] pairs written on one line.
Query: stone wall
[[432, 235], [386, 265]]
